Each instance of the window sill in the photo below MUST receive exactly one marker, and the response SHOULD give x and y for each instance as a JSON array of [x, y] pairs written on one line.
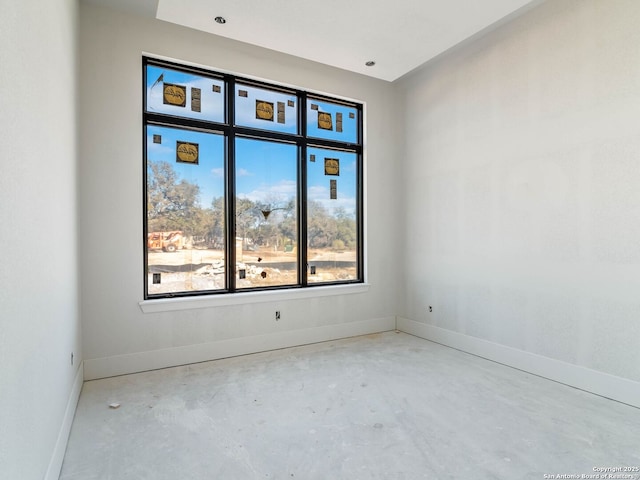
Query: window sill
[[188, 303]]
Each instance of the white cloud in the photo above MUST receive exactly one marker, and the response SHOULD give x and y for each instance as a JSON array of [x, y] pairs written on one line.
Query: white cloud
[[246, 110], [274, 193], [350, 167], [211, 104], [321, 194], [242, 172], [159, 150]]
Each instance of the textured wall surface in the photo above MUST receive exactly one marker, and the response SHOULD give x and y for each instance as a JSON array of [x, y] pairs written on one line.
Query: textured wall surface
[[111, 188], [522, 166], [502, 185], [39, 322]]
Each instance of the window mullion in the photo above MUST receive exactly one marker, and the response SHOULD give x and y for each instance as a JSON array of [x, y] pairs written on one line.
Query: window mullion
[[302, 189], [187, 115], [230, 193], [360, 216]]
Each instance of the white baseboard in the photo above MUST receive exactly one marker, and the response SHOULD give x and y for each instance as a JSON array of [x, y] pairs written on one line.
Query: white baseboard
[[171, 357], [55, 464], [603, 384]]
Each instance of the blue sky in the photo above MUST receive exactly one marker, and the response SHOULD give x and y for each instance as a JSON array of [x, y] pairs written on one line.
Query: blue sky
[[246, 109], [318, 184], [212, 103], [265, 171], [349, 125], [208, 174]]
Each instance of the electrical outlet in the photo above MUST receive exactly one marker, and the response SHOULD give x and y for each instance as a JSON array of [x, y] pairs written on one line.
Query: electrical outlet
[[277, 315], [71, 358], [430, 309]]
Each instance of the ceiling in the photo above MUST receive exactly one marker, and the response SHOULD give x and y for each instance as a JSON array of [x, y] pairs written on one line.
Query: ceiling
[[398, 35]]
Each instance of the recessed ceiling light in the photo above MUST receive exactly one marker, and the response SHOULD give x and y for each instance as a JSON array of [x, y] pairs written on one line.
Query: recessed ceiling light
[[220, 20], [370, 63]]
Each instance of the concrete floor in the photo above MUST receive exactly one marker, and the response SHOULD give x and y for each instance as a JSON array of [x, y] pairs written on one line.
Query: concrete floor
[[387, 406]]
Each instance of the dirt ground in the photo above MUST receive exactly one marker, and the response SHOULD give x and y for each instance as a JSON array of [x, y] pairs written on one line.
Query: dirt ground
[[201, 256], [203, 269]]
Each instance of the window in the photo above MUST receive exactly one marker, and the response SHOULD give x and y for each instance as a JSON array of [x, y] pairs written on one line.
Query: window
[[248, 185]]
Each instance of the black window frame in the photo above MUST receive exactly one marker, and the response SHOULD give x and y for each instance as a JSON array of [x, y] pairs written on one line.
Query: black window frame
[[230, 132]]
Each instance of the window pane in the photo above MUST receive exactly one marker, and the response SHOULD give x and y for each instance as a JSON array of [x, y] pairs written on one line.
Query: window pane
[[266, 214], [332, 121], [199, 134], [185, 210], [184, 94], [266, 109], [332, 232]]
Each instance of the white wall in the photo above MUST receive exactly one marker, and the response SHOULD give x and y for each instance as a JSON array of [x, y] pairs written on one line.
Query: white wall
[[522, 175], [117, 335], [39, 322]]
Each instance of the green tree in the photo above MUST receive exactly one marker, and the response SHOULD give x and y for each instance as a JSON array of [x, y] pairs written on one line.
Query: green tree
[[321, 227], [171, 202], [248, 219], [288, 227], [215, 236], [346, 229], [202, 222]]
